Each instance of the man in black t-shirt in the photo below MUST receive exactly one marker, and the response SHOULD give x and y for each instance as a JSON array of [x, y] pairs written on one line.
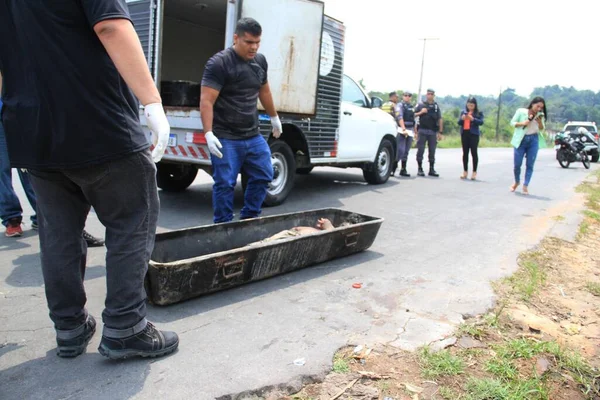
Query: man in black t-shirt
[[234, 79], [73, 122]]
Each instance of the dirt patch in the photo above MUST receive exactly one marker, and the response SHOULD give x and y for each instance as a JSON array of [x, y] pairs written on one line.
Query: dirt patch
[[541, 342]]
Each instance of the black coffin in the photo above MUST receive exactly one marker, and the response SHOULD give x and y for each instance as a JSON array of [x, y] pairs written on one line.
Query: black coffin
[[191, 262]]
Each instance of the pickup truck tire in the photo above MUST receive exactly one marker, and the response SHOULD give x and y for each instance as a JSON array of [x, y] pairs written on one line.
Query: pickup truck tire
[[595, 156], [379, 172], [284, 172], [175, 177], [304, 171]]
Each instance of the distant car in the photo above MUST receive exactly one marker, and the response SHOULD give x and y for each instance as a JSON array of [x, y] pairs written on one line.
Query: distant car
[[592, 147]]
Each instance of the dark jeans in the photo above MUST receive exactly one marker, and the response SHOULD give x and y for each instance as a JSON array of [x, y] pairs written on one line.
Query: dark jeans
[[404, 145], [470, 142], [125, 197], [10, 207], [253, 156], [429, 137], [529, 146]]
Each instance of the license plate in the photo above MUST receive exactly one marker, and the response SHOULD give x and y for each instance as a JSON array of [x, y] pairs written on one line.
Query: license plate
[[557, 147], [172, 140]]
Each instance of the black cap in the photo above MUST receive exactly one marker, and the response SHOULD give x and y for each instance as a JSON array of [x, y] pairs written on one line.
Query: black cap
[[393, 94], [431, 91]]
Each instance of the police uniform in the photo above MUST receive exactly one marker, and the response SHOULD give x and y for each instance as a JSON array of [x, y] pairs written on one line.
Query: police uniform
[[406, 113], [428, 128], [393, 108]]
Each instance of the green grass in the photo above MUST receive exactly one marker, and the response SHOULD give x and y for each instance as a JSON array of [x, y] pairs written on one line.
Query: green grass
[[453, 142], [593, 288], [528, 280], [442, 363], [584, 228], [447, 393], [502, 368], [494, 389], [473, 330], [592, 214], [340, 365]]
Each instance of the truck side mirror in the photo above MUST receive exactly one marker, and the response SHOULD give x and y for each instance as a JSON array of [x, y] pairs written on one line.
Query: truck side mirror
[[376, 102]]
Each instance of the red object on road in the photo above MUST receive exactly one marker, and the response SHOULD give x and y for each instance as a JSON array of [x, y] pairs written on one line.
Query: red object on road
[[357, 285]]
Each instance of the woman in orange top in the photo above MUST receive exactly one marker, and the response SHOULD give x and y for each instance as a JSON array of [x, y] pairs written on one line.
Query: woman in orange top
[[469, 121]]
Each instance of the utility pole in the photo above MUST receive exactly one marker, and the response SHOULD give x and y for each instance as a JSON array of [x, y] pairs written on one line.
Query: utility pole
[[498, 115], [422, 65]]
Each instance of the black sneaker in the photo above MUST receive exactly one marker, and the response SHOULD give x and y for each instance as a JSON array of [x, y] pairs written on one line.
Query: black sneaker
[[92, 241], [421, 172], [404, 173], [70, 348], [148, 343], [433, 173]]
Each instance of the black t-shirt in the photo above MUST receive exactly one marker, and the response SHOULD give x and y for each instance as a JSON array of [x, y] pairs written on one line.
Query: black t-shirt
[[238, 82], [65, 103]]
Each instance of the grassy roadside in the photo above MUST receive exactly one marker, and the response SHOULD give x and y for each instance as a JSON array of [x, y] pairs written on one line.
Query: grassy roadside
[[453, 142], [539, 343]]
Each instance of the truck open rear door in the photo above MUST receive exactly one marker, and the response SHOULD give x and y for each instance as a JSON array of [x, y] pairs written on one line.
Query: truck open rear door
[[145, 15], [291, 42]]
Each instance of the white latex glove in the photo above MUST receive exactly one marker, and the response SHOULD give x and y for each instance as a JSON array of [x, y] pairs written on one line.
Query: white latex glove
[[213, 144], [159, 126], [277, 128]]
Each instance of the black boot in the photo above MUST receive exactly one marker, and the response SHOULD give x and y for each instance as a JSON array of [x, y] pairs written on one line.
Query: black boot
[[432, 171], [394, 168], [421, 172], [403, 170]]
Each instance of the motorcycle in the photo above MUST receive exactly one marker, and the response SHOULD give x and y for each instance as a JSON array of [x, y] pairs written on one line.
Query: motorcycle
[[571, 147]]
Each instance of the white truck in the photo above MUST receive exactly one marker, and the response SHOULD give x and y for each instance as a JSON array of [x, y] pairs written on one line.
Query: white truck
[[328, 120]]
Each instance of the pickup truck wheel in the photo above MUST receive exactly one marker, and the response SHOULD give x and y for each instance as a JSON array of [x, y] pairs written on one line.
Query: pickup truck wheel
[[304, 171], [284, 169], [175, 177], [595, 156], [379, 172]]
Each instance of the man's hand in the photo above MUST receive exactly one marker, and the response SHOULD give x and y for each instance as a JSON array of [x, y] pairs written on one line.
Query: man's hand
[[440, 137], [277, 128], [405, 132], [424, 111], [159, 126], [213, 144]]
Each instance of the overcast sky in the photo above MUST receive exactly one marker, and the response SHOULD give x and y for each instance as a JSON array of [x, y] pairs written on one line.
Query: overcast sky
[[484, 45]]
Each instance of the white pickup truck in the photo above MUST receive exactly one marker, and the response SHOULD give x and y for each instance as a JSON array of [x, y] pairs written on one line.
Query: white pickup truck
[[328, 120]]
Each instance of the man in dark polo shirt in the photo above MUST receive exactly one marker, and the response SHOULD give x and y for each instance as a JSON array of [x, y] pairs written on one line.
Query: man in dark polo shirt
[[234, 79], [72, 121]]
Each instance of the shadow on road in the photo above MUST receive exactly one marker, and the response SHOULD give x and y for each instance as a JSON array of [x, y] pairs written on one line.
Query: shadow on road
[[77, 378], [225, 298]]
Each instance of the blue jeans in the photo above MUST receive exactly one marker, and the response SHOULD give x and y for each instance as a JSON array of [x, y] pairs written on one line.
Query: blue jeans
[[529, 146], [10, 207], [253, 156]]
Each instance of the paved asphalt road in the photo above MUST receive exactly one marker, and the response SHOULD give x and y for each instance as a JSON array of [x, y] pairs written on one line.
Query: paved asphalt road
[[442, 242]]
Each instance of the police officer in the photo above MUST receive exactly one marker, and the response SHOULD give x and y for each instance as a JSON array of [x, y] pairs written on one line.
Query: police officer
[[430, 130], [406, 120], [392, 107]]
